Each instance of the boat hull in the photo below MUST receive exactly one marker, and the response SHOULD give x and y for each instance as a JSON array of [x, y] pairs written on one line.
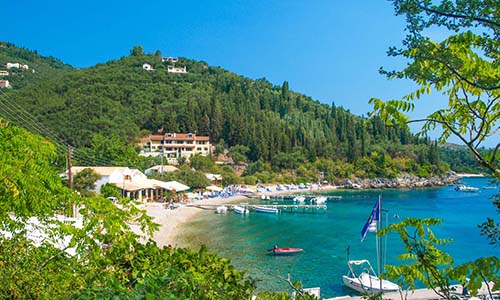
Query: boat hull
[[369, 284], [286, 251], [268, 210]]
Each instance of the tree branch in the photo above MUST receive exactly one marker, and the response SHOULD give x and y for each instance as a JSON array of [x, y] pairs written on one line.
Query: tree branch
[[458, 16]]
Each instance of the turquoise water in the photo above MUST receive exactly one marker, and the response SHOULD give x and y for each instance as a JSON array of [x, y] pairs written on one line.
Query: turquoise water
[[324, 236]]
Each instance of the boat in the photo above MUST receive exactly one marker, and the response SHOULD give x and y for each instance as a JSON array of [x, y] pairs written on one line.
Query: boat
[[319, 200], [367, 281], [240, 210], [266, 209], [465, 188], [284, 251], [299, 199], [221, 209]]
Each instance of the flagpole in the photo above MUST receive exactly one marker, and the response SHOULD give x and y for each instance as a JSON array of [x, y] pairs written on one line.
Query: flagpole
[[379, 240]]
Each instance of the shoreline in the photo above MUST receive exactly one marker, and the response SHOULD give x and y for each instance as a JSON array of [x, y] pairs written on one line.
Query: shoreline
[[171, 221]]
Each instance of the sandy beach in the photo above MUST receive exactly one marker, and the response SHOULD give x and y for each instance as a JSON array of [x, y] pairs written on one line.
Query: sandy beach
[[171, 220]]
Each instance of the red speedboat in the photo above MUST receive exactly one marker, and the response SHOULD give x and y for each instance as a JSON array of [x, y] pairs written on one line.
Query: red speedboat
[[281, 251]]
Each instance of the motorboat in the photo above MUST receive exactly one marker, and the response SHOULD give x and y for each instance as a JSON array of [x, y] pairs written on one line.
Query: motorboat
[[361, 276], [367, 281], [221, 209], [284, 251], [465, 188], [319, 200], [266, 209], [299, 199], [240, 210]]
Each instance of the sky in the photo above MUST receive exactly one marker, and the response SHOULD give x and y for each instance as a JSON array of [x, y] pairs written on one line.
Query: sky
[[329, 50]]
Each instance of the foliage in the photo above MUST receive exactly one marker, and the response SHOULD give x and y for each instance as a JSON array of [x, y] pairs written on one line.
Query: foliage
[[238, 153], [110, 190], [465, 67], [425, 261], [99, 259], [84, 182], [104, 109]]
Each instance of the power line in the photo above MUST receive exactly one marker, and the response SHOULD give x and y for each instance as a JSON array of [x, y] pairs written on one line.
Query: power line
[[17, 115]]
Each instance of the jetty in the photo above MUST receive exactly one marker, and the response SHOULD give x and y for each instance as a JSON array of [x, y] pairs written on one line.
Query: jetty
[[289, 208], [427, 294]]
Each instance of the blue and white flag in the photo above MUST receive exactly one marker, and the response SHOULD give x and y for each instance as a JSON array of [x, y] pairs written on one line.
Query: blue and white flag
[[371, 223]]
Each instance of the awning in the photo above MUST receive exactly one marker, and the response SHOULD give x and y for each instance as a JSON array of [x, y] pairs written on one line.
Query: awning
[[170, 185], [213, 188]]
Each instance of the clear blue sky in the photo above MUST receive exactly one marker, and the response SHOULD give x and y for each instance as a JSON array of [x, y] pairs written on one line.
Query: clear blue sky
[[328, 50]]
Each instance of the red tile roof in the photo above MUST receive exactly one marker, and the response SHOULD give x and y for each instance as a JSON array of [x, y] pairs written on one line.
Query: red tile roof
[[179, 136]]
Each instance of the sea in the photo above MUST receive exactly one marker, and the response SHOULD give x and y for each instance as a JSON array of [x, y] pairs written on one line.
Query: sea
[[325, 236]]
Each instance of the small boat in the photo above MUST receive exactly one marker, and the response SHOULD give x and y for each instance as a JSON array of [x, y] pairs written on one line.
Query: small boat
[[361, 276], [283, 251], [240, 210], [266, 209], [367, 281], [299, 199], [221, 209], [319, 200], [465, 188]]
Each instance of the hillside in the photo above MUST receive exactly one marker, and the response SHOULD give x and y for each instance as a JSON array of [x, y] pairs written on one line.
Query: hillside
[[120, 99], [38, 68]]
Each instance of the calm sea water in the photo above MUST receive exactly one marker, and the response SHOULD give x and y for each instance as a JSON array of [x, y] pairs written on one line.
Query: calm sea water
[[324, 236]]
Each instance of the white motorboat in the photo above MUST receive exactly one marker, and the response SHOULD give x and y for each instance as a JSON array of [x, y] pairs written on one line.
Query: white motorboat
[[240, 210], [299, 199], [221, 209], [319, 200], [465, 188], [361, 277], [266, 209], [367, 281]]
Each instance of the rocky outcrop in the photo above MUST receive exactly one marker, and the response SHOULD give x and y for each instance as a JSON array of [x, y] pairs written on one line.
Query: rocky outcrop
[[402, 181]]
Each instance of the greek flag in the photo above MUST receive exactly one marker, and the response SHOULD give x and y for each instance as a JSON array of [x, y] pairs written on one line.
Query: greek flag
[[371, 223]]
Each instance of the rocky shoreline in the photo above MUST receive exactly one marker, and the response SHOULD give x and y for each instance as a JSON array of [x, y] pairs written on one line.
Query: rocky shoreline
[[402, 181]]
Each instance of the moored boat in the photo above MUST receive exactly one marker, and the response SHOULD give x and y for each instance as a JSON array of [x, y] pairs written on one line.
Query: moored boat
[[266, 209], [284, 251], [367, 281], [221, 209], [465, 188], [240, 210]]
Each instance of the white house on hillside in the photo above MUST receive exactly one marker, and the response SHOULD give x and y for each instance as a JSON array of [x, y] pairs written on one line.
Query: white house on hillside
[[5, 84], [179, 70], [147, 67]]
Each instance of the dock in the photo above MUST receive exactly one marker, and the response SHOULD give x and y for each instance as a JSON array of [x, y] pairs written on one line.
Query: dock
[[427, 294], [290, 208]]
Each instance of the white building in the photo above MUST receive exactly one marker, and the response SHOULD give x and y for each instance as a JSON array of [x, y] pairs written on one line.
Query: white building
[[178, 70], [147, 67], [177, 145], [170, 59], [16, 65], [5, 84], [4, 73]]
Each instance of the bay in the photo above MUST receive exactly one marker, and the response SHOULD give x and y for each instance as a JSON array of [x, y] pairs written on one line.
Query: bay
[[325, 236]]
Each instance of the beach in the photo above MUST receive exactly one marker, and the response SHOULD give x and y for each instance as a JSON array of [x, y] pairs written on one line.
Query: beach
[[171, 220]]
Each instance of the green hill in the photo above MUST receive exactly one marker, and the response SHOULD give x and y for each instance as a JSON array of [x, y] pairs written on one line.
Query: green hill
[[122, 99], [39, 67]]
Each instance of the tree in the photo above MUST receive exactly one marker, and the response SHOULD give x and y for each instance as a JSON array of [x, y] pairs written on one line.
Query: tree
[[84, 182], [238, 153], [465, 67], [137, 51], [31, 189]]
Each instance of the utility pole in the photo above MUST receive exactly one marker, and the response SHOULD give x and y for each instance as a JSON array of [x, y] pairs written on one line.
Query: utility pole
[[70, 175], [70, 181]]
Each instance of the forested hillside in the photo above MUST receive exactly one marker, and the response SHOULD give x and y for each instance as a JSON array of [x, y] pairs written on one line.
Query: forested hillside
[[122, 100], [39, 67]]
